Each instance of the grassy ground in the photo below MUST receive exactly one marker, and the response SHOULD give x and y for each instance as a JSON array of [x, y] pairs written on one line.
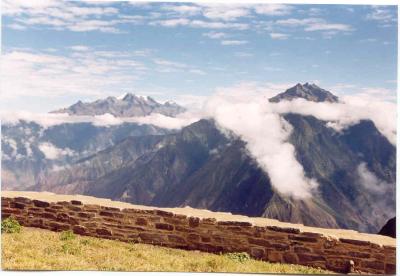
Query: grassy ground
[[36, 249]]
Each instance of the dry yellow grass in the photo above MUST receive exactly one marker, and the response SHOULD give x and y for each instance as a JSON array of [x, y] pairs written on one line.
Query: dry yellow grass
[[37, 249]]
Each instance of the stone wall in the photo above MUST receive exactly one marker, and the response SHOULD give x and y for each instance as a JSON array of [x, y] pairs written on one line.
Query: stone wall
[[270, 243]]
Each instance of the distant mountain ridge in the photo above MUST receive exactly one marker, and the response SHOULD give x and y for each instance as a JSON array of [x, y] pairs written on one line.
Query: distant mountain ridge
[[309, 92], [129, 106]]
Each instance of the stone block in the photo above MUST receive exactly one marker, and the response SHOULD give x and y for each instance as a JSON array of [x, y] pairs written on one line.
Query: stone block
[[103, 232], [39, 203], [79, 230], [51, 216], [106, 214], [279, 246], [210, 221], [153, 238], [163, 213], [390, 268], [290, 258], [260, 242], [164, 226], [235, 223], [194, 222], [210, 248], [205, 239], [303, 258], [85, 215], [74, 208], [193, 237], [303, 239], [55, 226], [112, 209], [176, 239], [356, 242], [362, 255], [274, 257], [378, 265], [141, 221], [257, 253], [300, 249], [19, 205], [283, 230], [24, 200]]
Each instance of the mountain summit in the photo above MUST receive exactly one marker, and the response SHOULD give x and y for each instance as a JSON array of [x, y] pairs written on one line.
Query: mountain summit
[[130, 105], [309, 92]]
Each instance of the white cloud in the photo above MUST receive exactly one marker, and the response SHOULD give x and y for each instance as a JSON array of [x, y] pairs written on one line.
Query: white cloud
[[327, 27], [165, 62], [247, 116], [381, 14], [51, 75], [352, 110], [52, 119], [52, 152], [234, 42], [168, 66], [273, 9], [218, 25], [370, 181], [16, 26], [183, 10], [67, 15], [215, 35], [225, 12], [313, 24], [80, 48], [279, 36], [199, 24], [173, 22]]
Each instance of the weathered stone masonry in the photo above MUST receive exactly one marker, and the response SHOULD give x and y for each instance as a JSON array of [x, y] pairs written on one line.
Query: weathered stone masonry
[[270, 243]]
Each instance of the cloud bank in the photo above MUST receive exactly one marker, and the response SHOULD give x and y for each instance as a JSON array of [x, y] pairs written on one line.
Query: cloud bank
[[52, 119], [266, 135]]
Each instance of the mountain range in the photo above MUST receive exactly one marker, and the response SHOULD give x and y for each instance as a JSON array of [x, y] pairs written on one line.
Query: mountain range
[[202, 167], [129, 106]]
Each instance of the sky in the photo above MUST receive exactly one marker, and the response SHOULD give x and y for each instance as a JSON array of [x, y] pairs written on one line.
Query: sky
[[55, 53]]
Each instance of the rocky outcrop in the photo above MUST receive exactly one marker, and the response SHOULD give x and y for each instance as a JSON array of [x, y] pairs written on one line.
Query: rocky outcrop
[[158, 227], [389, 229], [307, 91]]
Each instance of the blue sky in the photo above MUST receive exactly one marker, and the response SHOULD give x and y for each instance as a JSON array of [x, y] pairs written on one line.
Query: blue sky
[[55, 53]]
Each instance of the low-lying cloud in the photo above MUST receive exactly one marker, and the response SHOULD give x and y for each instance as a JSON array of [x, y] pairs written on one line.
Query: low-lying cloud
[[266, 135], [350, 111], [105, 120], [52, 152], [370, 181]]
